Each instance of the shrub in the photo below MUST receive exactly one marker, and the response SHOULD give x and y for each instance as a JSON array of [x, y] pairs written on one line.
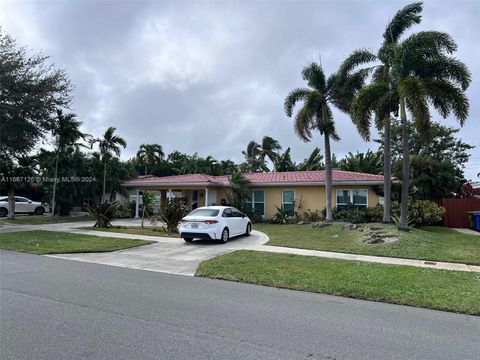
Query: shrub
[[280, 217], [105, 213], [254, 216], [425, 212], [309, 216], [171, 214], [125, 210]]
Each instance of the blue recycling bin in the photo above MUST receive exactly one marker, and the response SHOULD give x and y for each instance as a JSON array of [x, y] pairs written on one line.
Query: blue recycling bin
[[477, 221]]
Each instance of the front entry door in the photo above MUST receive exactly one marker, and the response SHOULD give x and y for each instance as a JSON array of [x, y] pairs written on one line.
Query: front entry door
[[212, 197]]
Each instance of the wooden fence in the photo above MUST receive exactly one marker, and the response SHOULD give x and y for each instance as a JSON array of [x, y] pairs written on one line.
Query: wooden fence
[[456, 211]]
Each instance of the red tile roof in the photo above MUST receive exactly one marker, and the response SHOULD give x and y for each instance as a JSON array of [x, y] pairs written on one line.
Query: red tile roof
[[261, 178]]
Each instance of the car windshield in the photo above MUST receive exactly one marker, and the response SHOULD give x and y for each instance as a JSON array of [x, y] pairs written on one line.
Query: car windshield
[[204, 212]]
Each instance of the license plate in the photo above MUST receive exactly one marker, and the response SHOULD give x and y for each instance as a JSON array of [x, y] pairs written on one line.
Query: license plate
[[194, 226]]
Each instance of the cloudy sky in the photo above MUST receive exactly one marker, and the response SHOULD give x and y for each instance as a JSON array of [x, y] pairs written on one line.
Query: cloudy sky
[[208, 77]]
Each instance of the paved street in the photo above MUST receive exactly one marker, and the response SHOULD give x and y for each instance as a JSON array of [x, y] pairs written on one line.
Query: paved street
[[57, 309]]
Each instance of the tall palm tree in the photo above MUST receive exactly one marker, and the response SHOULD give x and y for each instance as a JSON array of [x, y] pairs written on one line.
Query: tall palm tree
[[284, 162], [66, 132], [108, 146], [315, 114], [150, 154], [378, 100], [269, 149], [422, 73]]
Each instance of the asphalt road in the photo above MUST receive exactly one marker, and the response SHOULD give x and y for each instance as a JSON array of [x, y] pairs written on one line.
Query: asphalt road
[[60, 309]]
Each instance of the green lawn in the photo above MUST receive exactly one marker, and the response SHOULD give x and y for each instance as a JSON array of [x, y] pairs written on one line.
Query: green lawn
[[435, 289], [53, 242], [429, 243], [44, 219], [136, 230]]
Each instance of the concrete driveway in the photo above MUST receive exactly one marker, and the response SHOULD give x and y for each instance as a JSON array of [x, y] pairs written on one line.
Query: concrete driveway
[[169, 255]]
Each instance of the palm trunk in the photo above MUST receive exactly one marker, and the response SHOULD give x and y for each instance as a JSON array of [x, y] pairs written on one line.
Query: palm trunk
[[104, 177], [328, 179], [405, 168], [145, 169], [11, 203], [55, 185], [387, 171], [143, 214]]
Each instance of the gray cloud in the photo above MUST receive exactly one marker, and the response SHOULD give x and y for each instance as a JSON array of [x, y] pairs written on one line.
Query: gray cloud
[[208, 77]]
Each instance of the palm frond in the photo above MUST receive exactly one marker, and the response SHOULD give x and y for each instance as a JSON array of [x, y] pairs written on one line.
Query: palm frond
[[355, 59], [315, 77], [403, 19], [292, 98], [415, 96], [447, 98], [303, 124]]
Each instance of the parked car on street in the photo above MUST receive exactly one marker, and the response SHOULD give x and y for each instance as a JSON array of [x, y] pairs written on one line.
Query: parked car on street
[[23, 206], [216, 223]]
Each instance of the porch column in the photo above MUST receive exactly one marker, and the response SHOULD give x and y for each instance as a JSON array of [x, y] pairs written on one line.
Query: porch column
[[169, 195], [137, 201], [206, 197]]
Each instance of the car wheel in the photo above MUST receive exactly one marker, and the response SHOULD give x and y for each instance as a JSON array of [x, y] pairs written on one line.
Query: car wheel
[[249, 229], [188, 239], [3, 212], [225, 236], [39, 210]]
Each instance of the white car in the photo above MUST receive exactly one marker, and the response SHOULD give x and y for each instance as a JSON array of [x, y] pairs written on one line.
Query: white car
[[23, 206], [216, 223]]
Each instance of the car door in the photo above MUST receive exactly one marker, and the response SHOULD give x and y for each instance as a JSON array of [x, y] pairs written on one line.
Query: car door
[[21, 204], [238, 219]]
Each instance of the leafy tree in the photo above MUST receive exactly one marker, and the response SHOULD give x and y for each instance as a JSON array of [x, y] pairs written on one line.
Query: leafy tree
[[380, 99], [228, 167], [150, 155], [66, 132], [109, 146], [284, 162], [315, 114], [31, 90], [313, 162], [421, 72], [369, 162]]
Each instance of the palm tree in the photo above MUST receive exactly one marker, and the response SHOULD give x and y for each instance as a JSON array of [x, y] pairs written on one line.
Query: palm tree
[[269, 148], [315, 114], [150, 154], [379, 99], [108, 146], [66, 132], [284, 162], [313, 162], [421, 72], [239, 190], [253, 157]]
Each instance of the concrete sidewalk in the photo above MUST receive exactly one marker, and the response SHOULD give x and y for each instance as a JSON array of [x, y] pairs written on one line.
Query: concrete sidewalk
[[368, 258]]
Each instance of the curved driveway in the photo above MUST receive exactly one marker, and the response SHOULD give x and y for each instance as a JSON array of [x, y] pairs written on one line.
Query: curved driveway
[[169, 255]]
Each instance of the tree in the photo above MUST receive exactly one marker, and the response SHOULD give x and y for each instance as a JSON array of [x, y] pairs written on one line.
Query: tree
[[31, 90], [313, 162], [239, 191], [150, 155], [108, 146], [66, 132], [369, 162], [420, 72], [269, 149], [380, 99], [315, 114], [253, 160], [284, 162], [148, 200]]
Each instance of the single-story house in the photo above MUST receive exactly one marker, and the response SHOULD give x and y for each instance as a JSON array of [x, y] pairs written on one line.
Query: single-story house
[[269, 190]]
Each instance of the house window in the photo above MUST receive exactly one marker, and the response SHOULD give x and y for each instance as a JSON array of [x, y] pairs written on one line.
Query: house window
[[288, 201], [257, 203], [353, 197]]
